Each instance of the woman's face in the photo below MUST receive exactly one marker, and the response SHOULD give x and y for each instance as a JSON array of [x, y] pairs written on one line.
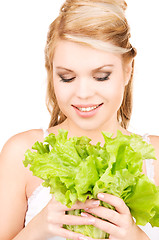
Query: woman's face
[[89, 85]]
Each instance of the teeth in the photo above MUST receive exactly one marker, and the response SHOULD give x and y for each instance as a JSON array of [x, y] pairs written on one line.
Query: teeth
[[88, 109]]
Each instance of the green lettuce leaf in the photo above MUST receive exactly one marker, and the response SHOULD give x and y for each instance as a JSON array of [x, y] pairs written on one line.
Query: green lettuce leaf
[[75, 169]]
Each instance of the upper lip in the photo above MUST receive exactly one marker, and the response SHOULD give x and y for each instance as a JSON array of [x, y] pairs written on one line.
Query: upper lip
[[86, 105]]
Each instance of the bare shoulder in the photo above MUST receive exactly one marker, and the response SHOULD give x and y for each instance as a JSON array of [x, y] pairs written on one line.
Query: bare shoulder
[[13, 151], [19, 142], [14, 179], [154, 140]]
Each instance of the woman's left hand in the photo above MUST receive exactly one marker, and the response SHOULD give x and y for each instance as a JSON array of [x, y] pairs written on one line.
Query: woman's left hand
[[119, 224]]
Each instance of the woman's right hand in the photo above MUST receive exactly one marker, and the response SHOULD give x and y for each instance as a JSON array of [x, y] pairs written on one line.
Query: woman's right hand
[[49, 222]]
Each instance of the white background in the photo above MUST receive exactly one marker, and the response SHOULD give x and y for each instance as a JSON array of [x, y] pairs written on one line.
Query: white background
[[23, 31]]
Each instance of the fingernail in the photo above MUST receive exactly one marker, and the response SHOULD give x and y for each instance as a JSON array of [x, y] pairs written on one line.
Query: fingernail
[[84, 214], [86, 209], [82, 238], [100, 195], [96, 203], [91, 220]]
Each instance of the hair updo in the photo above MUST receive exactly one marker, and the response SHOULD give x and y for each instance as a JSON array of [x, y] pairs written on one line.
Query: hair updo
[[100, 24]]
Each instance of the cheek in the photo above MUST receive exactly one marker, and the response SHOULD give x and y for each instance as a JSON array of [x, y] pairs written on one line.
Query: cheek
[[58, 93], [115, 90], [62, 93], [114, 93]]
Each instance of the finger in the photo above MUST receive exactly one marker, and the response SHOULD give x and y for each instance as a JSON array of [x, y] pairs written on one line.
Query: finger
[[69, 234], [88, 238], [105, 226], [89, 203], [73, 220], [73, 235], [112, 238], [107, 214], [65, 233], [117, 202]]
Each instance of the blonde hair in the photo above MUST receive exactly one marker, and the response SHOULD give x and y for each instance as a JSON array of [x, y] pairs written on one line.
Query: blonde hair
[[100, 24]]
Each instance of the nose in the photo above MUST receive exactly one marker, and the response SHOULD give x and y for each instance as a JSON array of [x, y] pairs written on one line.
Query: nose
[[84, 88]]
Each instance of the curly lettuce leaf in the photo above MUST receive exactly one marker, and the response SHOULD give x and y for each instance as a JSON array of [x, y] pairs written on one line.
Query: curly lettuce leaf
[[74, 169]]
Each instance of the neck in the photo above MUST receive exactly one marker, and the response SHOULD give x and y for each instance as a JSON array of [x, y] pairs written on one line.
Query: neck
[[94, 134]]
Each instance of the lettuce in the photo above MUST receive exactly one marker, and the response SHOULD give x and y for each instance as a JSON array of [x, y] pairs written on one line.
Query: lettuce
[[75, 169]]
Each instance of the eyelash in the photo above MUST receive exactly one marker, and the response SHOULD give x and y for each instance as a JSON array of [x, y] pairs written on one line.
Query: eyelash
[[66, 79], [98, 79], [104, 78]]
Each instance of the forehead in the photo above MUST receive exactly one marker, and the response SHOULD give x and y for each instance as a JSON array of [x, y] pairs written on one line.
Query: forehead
[[71, 54]]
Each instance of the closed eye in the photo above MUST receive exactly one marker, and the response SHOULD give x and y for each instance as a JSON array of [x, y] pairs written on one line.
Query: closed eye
[[103, 78], [66, 79]]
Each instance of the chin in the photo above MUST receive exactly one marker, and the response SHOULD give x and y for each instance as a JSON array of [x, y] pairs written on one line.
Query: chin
[[89, 127]]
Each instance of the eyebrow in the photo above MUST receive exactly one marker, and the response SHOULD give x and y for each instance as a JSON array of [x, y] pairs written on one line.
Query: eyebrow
[[108, 65]]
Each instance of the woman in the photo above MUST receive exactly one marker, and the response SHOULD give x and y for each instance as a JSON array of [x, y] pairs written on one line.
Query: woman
[[89, 62]]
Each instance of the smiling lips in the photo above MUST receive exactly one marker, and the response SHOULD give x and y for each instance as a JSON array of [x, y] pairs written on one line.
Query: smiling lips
[[86, 110]]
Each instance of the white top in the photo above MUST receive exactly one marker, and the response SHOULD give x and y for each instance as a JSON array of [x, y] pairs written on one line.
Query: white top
[[41, 196]]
